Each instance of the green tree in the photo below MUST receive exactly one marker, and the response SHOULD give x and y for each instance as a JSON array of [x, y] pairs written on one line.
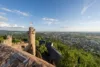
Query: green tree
[[42, 49], [16, 40]]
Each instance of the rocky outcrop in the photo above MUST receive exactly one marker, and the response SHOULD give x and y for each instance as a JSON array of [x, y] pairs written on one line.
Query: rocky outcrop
[[11, 57]]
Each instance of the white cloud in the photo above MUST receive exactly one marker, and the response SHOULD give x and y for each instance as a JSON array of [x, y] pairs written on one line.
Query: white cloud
[[3, 18], [6, 9], [16, 11], [91, 24], [81, 28], [64, 27], [86, 6], [4, 24], [21, 13], [85, 26], [50, 21], [2, 13], [89, 17]]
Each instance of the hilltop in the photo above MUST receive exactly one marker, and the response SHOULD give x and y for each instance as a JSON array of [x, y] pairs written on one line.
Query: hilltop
[[9, 55]]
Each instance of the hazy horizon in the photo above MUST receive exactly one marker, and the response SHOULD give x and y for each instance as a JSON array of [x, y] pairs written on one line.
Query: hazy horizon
[[50, 15]]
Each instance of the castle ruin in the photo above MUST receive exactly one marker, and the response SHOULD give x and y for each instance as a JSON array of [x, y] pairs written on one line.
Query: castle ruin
[[30, 47], [52, 56], [8, 41]]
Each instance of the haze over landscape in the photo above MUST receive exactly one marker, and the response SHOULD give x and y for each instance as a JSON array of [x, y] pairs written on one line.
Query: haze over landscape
[[50, 15], [49, 33]]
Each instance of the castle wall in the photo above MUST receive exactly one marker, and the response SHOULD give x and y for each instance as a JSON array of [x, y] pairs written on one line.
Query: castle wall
[[8, 41], [31, 34], [20, 45]]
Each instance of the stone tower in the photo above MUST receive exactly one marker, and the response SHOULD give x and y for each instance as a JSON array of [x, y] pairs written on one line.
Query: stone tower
[[32, 40]]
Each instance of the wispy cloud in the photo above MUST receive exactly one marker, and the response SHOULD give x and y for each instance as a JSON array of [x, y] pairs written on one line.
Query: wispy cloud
[[2, 13], [85, 7], [50, 21], [12, 27], [4, 24], [21, 13], [6, 9], [16, 11], [3, 18], [64, 27]]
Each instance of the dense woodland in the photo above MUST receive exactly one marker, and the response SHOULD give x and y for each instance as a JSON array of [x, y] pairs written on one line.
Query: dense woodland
[[71, 55]]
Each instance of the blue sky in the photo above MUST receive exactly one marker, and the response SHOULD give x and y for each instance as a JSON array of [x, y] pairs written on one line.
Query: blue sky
[[50, 15]]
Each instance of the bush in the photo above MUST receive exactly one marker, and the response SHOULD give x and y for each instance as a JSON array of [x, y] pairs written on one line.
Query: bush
[[16, 40], [42, 49], [1, 39]]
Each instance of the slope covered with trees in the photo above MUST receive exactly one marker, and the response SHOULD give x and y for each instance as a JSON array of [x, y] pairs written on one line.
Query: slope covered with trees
[[71, 56]]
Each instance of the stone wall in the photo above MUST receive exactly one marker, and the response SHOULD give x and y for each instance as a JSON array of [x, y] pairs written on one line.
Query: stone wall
[[20, 45]]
